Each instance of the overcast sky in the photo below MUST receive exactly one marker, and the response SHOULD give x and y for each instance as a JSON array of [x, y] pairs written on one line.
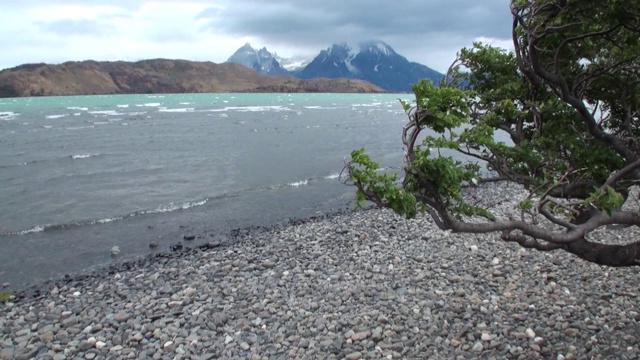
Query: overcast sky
[[426, 31]]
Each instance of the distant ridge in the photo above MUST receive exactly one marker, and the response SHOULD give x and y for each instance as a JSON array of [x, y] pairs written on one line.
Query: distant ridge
[[157, 76]]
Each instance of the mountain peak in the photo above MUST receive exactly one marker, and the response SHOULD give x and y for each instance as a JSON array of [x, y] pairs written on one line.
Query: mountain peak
[[374, 61], [377, 47], [261, 61]]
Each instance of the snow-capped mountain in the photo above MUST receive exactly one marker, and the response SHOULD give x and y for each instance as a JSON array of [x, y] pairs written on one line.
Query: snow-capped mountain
[[373, 61], [261, 61]]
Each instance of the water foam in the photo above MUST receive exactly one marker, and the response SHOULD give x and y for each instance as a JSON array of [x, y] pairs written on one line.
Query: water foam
[[298, 183], [160, 209], [77, 108], [105, 112], [252, 108], [56, 116], [177, 110], [8, 115], [83, 156]]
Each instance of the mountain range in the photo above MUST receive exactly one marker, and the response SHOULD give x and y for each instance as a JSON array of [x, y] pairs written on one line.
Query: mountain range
[[373, 61], [367, 67]]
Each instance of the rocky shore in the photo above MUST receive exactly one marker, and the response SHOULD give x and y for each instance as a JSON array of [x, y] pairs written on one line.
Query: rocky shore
[[363, 285]]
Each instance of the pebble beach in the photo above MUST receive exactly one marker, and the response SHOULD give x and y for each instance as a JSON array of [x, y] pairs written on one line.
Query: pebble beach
[[359, 285]]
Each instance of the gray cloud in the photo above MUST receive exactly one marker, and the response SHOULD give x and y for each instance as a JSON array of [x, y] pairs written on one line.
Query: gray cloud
[[426, 31], [325, 22]]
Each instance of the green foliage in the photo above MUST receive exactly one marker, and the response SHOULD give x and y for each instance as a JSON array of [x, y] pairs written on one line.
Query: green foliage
[[606, 200], [526, 204], [447, 107], [541, 131], [365, 171]]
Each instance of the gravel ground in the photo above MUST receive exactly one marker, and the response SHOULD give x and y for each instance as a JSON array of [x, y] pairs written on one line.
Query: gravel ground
[[364, 285]]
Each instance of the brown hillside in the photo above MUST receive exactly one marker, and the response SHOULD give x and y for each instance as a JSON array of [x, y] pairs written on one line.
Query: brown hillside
[[158, 76]]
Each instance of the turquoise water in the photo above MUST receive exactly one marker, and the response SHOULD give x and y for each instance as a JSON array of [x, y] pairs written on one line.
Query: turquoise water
[[81, 174]]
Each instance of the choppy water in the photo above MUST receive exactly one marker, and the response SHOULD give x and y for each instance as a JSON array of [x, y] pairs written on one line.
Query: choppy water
[[81, 174]]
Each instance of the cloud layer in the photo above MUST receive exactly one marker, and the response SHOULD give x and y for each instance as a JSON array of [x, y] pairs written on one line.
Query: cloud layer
[[429, 32]]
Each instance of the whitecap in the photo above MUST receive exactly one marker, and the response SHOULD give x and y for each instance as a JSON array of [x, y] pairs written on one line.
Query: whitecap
[[35, 229], [252, 108], [151, 104], [7, 115], [173, 207], [83, 156], [77, 108], [178, 110], [332, 176], [298, 183], [108, 220], [105, 112], [57, 116], [123, 105]]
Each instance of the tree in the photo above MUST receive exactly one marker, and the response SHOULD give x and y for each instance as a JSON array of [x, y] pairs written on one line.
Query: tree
[[567, 97]]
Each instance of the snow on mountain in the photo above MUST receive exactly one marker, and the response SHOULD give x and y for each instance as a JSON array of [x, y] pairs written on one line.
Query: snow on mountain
[[294, 63], [261, 61], [373, 61]]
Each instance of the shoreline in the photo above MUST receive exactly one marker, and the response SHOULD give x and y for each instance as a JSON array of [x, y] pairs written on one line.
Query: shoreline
[[364, 284], [182, 247]]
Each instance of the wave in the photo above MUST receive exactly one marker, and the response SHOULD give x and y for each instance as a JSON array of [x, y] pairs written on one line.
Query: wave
[[135, 113], [77, 108], [33, 162], [106, 112], [160, 209], [251, 108], [56, 116], [175, 110], [84, 156], [123, 105], [82, 223], [373, 104], [155, 104], [8, 115], [298, 183], [79, 127]]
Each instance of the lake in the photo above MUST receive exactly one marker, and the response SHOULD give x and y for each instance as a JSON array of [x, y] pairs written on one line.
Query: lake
[[81, 174]]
